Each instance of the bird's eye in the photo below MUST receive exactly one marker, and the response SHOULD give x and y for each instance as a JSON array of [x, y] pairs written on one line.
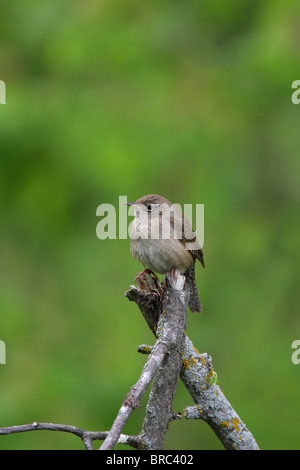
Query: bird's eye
[[149, 207]]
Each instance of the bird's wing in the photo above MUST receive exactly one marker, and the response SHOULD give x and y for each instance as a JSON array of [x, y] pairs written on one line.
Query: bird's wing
[[187, 236]]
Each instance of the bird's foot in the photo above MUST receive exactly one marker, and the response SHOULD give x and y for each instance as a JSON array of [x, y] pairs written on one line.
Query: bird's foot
[[148, 282], [146, 271]]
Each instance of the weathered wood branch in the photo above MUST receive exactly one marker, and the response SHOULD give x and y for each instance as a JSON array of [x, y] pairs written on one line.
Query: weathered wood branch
[[199, 377], [168, 322], [170, 327], [164, 363], [87, 437], [173, 355]]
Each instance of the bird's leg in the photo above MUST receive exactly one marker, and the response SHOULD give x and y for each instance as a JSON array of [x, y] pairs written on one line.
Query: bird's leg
[[146, 271], [149, 284]]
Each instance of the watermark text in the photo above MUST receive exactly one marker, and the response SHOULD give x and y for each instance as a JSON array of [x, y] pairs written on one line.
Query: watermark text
[[296, 354], [160, 221], [2, 92], [2, 352], [296, 94]]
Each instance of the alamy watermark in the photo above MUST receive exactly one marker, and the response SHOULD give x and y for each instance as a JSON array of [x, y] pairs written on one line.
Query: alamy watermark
[[296, 94], [2, 101], [2, 352], [296, 354], [2, 92], [169, 226]]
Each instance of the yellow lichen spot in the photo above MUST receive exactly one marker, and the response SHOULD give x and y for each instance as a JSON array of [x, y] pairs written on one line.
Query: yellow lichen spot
[[225, 424], [196, 351], [235, 423], [145, 349], [203, 360], [199, 409], [208, 377], [187, 363]]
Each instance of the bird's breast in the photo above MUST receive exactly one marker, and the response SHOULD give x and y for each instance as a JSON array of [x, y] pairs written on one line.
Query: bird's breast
[[161, 256]]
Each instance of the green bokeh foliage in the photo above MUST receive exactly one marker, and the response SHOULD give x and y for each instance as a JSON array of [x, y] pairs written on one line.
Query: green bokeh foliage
[[189, 100]]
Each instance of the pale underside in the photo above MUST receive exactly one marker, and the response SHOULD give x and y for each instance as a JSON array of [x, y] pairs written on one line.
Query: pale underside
[[161, 256]]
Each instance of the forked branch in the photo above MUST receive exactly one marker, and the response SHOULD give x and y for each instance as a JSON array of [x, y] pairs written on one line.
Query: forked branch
[[173, 355], [200, 379]]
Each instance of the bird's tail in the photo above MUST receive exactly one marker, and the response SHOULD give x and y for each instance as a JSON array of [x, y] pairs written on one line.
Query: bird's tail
[[194, 301]]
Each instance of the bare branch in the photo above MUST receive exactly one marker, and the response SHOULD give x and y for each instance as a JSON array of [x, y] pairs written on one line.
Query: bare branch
[[212, 406], [171, 325], [164, 361], [200, 380], [135, 394], [164, 310], [87, 437]]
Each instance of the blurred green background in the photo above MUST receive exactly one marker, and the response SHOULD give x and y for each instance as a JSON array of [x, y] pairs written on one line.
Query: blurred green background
[[189, 100]]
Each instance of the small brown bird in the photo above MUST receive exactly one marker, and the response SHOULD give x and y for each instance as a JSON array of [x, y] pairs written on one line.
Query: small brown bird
[[162, 239]]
